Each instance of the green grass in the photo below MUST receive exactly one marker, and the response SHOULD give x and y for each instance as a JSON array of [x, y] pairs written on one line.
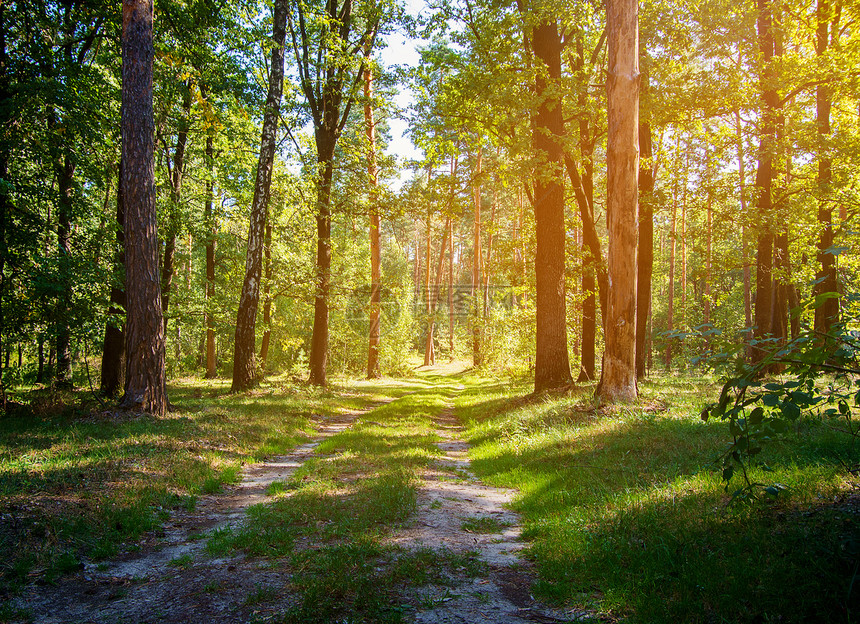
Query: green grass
[[76, 484], [625, 510]]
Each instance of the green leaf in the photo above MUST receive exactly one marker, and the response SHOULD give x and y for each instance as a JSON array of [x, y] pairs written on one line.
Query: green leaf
[[756, 416]]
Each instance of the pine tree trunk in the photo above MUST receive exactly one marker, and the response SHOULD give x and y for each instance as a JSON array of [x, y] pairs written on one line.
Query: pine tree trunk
[[618, 377], [552, 363], [244, 366], [144, 334], [429, 353]]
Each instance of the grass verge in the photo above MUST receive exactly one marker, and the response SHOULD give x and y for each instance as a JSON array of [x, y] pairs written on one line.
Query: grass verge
[[626, 513]]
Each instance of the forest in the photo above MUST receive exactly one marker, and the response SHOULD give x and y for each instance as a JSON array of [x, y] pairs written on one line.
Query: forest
[[602, 218]]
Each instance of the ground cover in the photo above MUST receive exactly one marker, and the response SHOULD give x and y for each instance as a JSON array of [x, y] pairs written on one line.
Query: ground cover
[[77, 482], [626, 512]]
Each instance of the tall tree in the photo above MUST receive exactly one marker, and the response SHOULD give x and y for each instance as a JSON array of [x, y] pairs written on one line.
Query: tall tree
[[552, 364], [645, 258], [375, 258], [764, 177], [144, 334], [618, 377], [331, 46], [827, 34], [113, 349], [244, 365]]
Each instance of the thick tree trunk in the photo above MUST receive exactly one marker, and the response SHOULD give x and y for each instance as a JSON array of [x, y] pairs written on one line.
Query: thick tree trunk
[[552, 363], [375, 257], [618, 377], [742, 178], [764, 182], [113, 349], [244, 366], [319, 339], [144, 334], [645, 260]]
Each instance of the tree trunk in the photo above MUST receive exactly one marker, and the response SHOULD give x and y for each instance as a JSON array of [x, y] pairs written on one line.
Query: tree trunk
[[552, 363], [645, 265], [267, 299], [319, 339], [827, 312], [670, 313], [211, 363], [168, 268], [429, 353], [113, 349], [244, 366], [375, 257], [477, 356], [618, 377], [65, 176], [144, 335], [742, 177], [764, 181]]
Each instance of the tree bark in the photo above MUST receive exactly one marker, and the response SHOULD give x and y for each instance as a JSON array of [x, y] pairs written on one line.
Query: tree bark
[[670, 313], [144, 335], [244, 366], [113, 350], [764, 181], [375, 256], [267, 299], [168, 268], [645, 260], [618, 377], [429, 352], [211, 363], [552, 363], [827, 313], [477, 354]]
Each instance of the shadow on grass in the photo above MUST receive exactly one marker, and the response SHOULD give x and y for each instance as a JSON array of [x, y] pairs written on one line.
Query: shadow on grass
[[626, 512]]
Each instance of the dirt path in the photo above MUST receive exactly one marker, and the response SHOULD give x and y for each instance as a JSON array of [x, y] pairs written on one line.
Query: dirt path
[[171, 578]]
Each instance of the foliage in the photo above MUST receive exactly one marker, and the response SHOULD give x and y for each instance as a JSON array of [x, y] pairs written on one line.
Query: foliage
[[819, 376]]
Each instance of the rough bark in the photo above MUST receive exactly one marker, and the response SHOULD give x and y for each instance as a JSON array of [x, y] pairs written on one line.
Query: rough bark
[[113, 349], [144, 334], [618, 377], [552, 363], [244, 365]]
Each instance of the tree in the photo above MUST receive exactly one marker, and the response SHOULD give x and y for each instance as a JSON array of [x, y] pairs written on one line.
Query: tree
[[618, 377], [375, 260], [244, 366], [331, 68], [552, 365], [144, 334]]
